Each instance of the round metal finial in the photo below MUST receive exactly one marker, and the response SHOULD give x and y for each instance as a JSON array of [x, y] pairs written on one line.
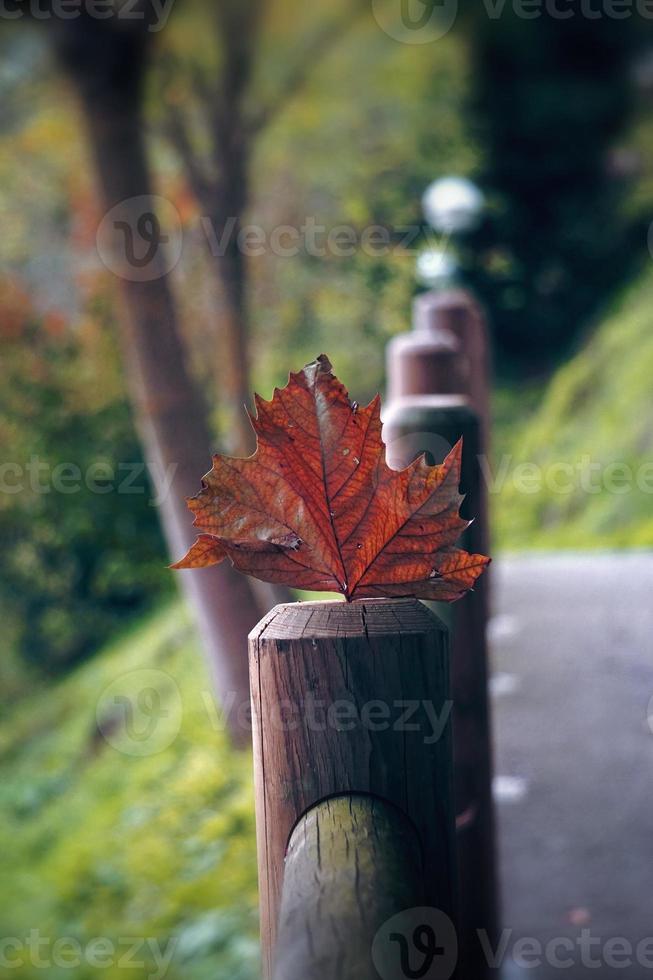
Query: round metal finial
[[453, 204], [436, 268]]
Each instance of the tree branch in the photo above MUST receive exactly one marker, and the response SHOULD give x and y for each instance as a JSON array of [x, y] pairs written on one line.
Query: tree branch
[[296, 79], [204, 187], [237, 25]]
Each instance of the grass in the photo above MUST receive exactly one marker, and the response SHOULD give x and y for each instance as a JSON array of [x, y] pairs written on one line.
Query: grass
[[591, 440], [141, 835]]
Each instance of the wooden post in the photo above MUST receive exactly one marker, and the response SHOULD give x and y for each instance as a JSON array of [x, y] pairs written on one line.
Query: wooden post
[[457, 312], [447, 352], [353, 863], [351, 698], [418, 420]]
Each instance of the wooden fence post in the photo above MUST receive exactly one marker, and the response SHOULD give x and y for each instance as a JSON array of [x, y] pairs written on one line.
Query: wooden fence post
[[351, 699], [456, 311], [418, 365], [416, 420]]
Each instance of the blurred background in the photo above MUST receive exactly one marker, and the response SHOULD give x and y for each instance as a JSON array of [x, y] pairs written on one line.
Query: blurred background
[[280, 152]]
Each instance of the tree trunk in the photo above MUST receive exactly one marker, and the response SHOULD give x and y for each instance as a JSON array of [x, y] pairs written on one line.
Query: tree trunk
[[230, 270], [106, 67], [231, 274]]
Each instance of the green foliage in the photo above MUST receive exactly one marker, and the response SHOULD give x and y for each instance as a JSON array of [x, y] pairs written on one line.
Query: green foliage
[[358, 162], [98, 842], [567, 221], [80, 563], [596, 413], [80, 558], [82, 547], [329, 160]]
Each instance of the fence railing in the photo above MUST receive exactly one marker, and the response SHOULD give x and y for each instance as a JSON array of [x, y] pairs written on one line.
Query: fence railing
[[357, 788], [353, 776], [353, 864], [439, 381]]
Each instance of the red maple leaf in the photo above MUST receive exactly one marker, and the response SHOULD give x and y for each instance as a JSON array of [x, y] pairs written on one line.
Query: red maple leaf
[[317, 507]]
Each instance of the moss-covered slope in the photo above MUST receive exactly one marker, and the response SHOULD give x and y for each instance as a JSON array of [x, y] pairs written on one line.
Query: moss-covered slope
[[125, 817], [591, 440]]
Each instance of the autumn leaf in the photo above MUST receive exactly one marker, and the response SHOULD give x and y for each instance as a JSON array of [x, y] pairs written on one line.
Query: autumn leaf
[[317, 507]]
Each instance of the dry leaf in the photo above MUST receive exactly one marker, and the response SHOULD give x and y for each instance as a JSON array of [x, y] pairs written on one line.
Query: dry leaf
[[317, 507]]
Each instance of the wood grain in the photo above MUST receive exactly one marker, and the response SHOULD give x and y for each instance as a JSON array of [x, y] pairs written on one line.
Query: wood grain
[[332, 685], [353, 862]]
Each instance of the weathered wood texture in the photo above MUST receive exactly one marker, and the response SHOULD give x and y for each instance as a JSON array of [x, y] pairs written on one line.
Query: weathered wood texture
[[353, 862], [407, 426], [351, 697]]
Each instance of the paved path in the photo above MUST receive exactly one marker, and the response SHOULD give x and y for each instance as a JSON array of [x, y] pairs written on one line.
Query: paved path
[[572, 658]]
